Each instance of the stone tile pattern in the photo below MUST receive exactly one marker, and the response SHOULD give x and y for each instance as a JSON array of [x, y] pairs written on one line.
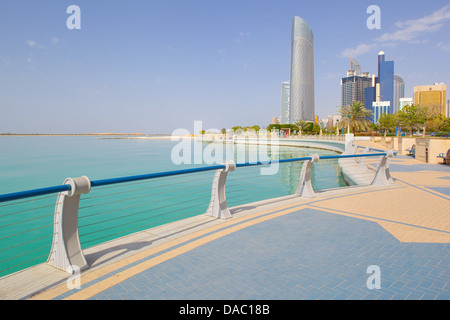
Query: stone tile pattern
[[308, 254]]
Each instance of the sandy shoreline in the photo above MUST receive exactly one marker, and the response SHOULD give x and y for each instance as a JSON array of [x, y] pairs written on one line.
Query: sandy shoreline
[[103, 136]]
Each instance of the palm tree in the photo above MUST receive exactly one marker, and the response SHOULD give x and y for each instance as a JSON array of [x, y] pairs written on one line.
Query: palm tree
[[355, 117], [303, 125]]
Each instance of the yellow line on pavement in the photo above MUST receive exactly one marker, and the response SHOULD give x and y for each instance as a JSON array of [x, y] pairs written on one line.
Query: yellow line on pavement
[[128, 273], [95, 274]]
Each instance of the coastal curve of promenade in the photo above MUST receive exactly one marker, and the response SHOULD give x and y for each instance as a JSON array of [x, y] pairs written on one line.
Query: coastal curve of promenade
[[287, 248]]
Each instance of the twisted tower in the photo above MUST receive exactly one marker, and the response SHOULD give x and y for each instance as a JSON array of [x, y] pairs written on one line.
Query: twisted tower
[[302, 72]]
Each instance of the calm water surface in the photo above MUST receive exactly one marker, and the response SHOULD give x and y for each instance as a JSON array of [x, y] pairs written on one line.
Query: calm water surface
[[30, 162]]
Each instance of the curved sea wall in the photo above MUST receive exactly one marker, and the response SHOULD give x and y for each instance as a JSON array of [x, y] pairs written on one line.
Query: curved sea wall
[[354, 170], [332, 145]]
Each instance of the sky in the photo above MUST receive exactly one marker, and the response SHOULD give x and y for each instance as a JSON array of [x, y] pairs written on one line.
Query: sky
[[158, 66]]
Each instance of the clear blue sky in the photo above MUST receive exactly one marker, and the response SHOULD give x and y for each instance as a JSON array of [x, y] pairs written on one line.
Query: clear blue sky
[[155, 66]]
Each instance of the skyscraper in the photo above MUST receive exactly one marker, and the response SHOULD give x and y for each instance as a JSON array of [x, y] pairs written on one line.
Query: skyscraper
[[380, 97], [302, 72], [385, 81], [399, 92], [432, 96], [353, 86], [355, 67], [285, 91]]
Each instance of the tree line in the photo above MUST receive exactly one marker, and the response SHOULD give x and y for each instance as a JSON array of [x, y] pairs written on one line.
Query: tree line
[[412, 117], [356, 118]]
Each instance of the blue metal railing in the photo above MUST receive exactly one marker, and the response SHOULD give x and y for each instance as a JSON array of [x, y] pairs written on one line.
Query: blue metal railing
[[104, 182], [109, 206]]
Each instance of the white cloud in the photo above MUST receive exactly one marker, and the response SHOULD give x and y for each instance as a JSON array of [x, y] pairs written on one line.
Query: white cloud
[[31, 43], [242, 34], [444, 46], [55, 40], [359, 50], [332, 76], [410, 31]]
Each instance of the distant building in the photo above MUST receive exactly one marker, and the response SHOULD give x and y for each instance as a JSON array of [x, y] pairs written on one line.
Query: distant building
[[353, 86], [336, 119], [399, 92], [302, 72], [404, 102], [432, 96], [379, 108], [382, 89], [285, 110], [448, 109], [275, 120], [330, 122], [385, 81], [355, 67]]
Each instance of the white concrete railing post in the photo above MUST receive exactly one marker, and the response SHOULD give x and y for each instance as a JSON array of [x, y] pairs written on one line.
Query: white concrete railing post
[[66, 253], [305, 188], [218, 206], [382, 175]]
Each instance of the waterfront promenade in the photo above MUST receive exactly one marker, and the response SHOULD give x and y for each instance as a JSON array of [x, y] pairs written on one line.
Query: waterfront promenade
[[285, 248]]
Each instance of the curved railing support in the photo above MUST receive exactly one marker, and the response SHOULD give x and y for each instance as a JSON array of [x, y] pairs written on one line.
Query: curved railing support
[[305, 188], [382, 175], [66, 253], [218, 206]]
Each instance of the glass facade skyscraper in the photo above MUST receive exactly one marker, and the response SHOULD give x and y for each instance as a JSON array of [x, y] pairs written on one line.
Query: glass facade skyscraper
[[386, 80], [355, 67], [302, 72], [285, 112], [399, 92], [352, 88], [384, 94]]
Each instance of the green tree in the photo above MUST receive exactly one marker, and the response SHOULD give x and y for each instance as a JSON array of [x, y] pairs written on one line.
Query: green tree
[[355, 117], [411, 117], [273, 126], [305, 126], [237, 129], [387, 122], [430, 117], [444, 125], [301, 124]]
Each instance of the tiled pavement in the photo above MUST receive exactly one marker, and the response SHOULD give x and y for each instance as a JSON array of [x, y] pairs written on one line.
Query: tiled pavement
[[319, 248], [308, 254]]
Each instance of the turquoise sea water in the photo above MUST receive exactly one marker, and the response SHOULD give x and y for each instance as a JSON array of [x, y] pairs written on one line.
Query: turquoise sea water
[[30, 162]]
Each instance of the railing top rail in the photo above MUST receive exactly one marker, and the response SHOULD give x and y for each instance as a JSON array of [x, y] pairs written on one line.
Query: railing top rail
[[374, 149], [104, 182]]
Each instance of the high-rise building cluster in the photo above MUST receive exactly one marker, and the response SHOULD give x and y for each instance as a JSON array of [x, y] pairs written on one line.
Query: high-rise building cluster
[[384, 95], [383, 92]]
